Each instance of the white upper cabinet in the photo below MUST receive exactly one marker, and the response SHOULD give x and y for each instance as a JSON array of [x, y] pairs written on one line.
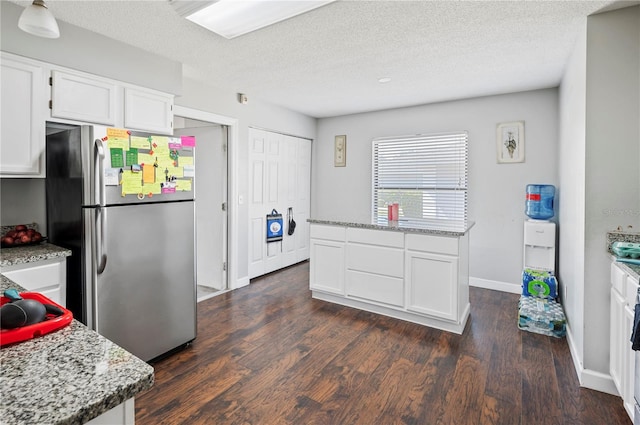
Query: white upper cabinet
[[148, 110], [83, 98], [22, 138], [86, 98]]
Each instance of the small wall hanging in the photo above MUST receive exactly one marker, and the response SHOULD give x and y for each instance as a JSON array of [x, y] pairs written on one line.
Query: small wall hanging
[[510, 142], [340, 151]]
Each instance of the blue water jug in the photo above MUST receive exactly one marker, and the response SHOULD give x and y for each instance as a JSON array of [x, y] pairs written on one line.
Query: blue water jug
[[539, 204]]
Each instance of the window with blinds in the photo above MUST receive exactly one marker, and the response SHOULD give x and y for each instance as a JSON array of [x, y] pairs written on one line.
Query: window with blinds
[[426, 175]]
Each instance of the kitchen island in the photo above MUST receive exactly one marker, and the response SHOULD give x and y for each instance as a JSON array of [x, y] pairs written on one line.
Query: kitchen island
[[70, 376], [407, 271]]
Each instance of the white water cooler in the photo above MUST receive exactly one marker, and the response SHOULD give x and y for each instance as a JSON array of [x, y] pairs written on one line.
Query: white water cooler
[[540, 245]]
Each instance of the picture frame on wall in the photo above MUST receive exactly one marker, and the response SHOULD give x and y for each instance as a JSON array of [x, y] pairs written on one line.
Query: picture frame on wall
[[510, 142], [340, 151]]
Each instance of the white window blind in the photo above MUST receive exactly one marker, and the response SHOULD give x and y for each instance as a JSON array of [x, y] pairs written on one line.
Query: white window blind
[[426, 175]]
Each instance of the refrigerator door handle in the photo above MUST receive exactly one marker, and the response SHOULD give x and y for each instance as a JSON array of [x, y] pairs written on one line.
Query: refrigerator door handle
[[101, 231], [99, 155]]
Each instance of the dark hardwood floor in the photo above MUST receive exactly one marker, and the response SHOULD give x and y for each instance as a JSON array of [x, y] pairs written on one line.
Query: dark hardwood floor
[[270, 354]]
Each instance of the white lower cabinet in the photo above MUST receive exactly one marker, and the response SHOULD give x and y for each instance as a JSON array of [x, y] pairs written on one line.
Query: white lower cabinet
[[431, 287], [48, 277], [624, 293], [417, 277], [326, 273]]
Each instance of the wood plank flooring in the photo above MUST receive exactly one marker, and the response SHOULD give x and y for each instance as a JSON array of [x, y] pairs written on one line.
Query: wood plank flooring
[[270, 354]]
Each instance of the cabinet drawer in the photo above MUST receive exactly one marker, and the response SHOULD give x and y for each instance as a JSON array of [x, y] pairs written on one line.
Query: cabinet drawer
[[37, 276], [617, 278], [373, 287], [539, 234], [631, 291], [331, 233], [435, 244], [376, 237], [375, 259]]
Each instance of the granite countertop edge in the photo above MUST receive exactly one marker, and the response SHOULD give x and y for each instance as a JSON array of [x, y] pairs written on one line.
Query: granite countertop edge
[[129, 376], [31, 254], [623, 236], [395, 227]]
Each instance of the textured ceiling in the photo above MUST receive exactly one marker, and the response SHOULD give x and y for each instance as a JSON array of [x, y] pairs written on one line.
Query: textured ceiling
[[328, 61]]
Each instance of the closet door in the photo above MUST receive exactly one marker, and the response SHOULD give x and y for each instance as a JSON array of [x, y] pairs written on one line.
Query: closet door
[[279, 178]]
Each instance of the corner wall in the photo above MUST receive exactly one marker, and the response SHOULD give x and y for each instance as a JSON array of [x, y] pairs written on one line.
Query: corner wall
[[599, 176], [496, 191]]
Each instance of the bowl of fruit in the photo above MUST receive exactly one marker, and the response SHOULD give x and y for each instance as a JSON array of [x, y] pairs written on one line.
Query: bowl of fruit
[[21, 235]]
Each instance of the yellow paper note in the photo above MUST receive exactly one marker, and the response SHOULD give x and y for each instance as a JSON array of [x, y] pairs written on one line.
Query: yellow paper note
[[185, 160], [153, 188], [140, 142], [183, 185], [176, 172], [145, 158], [119, 133], [131, 183], [118, 138], [148, 174], [161, 142]]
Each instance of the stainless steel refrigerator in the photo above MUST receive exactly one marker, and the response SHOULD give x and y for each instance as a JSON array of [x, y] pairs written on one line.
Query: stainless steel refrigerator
[[131, 230]]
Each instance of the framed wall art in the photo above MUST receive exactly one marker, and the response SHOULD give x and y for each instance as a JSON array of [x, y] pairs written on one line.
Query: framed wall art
[[510, 142], [340, 151]]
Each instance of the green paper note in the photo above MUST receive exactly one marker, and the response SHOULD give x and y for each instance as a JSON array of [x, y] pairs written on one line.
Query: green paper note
[[117, 158], [132, 156]]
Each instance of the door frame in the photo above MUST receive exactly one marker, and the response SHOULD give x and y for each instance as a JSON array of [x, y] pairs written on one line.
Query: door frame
[[233, 280]]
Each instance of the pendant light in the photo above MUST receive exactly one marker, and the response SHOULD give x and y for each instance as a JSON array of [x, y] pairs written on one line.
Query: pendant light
[[36, 19]]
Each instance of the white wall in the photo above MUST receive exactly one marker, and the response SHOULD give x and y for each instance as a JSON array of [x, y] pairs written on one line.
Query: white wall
[[599, 175], [571, 196], [612, 152], [253, 114], [23, 201], [496, 191]]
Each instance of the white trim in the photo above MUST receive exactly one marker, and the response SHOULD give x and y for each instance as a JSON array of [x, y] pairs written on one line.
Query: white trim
[[495, 285], [234, 281], [588, 378], [243, 282]]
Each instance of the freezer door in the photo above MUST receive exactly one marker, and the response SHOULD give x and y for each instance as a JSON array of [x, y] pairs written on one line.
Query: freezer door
[[145, 298]]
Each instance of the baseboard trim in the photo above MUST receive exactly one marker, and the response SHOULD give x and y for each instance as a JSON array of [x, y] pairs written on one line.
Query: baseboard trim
[[495, 285], [589, 378], [243, 281]]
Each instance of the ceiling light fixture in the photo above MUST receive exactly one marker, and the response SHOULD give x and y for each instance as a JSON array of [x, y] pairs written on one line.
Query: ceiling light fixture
[[384, 80], [231, 18], [36, 19]]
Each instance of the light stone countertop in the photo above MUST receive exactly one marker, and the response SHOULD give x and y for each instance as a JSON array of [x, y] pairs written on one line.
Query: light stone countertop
[[69, 376], [400, 226], [31, 253]]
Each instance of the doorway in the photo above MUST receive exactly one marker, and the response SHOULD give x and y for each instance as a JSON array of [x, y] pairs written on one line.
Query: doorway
[[211, 190]]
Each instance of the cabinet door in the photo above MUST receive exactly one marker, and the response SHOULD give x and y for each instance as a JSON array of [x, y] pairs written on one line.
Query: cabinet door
[[326, 272], [48, 277], [148, 110], [432, 284], [23, 110], [83, 98], [616, 329], [628, 361]]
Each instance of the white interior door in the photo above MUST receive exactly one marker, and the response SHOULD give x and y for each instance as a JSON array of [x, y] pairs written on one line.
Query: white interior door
[[211, 194], [279, 179]]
